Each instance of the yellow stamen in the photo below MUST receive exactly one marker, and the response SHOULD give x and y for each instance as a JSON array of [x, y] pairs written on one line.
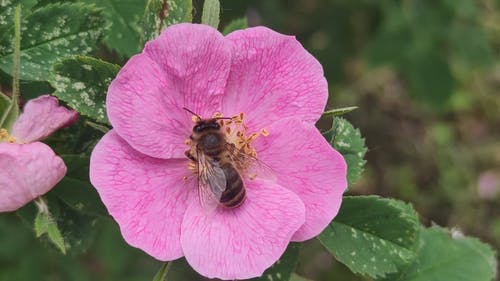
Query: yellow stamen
[[187, 142], [237, 133], [4, 136], [195, 118]]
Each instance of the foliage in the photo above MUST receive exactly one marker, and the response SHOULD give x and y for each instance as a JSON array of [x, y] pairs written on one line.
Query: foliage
[[348, 141], [372, 235], [452, 255], [82, 82]]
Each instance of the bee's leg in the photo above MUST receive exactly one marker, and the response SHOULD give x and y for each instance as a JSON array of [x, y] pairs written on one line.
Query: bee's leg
[[188, 155]]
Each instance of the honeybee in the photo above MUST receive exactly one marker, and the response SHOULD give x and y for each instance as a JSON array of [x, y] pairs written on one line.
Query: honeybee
[[220, 165]]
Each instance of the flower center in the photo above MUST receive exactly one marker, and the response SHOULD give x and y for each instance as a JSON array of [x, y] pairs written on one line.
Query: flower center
[[236, 133], [5, 137]]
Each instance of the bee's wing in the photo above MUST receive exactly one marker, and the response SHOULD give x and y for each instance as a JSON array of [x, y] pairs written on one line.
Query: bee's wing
[[248, 165], [211, 181]]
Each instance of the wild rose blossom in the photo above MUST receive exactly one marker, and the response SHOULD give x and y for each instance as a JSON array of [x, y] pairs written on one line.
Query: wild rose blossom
[[149, 186], [29, 168]]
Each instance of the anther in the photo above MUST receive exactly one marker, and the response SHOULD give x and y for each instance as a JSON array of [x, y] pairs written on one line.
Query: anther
[[264, 132], [195, 118]]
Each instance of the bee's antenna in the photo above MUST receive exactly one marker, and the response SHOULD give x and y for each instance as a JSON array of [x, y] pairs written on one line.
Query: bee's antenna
[[192, 112]]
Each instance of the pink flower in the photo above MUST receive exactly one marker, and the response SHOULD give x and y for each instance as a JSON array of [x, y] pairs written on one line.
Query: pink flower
[[29, 168], [150, 187]]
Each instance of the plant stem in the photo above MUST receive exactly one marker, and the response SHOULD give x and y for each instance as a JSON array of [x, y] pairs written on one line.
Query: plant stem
[[161, 275], [17, 54]]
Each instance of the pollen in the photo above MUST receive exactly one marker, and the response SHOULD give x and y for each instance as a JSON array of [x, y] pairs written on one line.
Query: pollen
[[195, 118], [237, 132], [4, 136]]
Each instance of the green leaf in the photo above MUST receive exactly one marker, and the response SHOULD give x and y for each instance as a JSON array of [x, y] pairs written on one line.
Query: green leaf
[[449, 257], [234, 25], [348, 141], [123, 15], [75, 189], [82, 82], [55, 236], [42, 221], [162, 13], [9, 111], [211, 13], [4, 104], [283, 268], [45, 223], [7, 8], [50, 33], [339, 111], [372, 235]]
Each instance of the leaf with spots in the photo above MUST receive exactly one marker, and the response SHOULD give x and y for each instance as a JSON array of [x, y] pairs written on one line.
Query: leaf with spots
[[123, 16], [7, 8], [234, 25], [284, 267], [82, 82], [373, 236], [162, 13], [445, 256], [50, 33], [348, 141]]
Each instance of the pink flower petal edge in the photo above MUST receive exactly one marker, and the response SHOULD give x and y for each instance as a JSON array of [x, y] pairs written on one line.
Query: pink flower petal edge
[[306, 164], [27, 172], [40, 118], [242, 243], [186, 66], [146, 196], [273, 77]]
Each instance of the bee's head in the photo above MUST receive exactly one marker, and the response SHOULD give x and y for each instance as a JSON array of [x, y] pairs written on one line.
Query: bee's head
[[206, 124]]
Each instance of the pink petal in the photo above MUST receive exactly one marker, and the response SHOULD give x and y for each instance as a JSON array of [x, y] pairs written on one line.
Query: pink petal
[[26, 172], [146, 196], [273, 77], [241, 243], [41, 117], [186, 66], [306, 164]]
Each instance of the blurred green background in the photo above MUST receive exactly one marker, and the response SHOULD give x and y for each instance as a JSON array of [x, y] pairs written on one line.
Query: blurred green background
[[426, 77]]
